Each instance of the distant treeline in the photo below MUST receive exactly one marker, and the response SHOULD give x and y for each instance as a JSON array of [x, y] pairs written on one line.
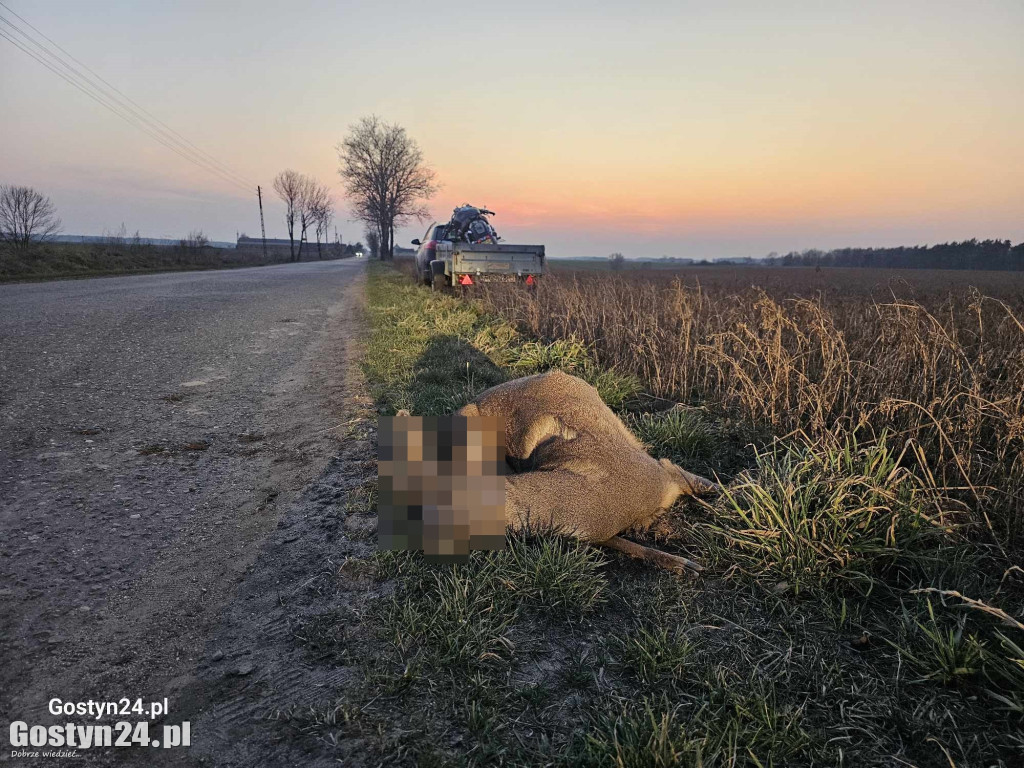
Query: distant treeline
[[969, 254]]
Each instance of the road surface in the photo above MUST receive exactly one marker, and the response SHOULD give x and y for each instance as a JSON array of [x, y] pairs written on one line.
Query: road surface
[[155, 431]]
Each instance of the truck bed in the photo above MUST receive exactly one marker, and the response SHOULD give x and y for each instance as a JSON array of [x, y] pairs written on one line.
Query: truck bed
[[501, 259]]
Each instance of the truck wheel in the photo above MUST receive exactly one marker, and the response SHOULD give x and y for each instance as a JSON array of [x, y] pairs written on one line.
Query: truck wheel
[[438, 279]]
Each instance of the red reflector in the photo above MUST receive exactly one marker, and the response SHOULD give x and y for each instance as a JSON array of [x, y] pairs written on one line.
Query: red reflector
[[465, 280], [529, 279]]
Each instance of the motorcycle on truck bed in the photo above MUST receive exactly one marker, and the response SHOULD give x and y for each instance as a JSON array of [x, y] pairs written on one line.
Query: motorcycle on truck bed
[[466, 251]]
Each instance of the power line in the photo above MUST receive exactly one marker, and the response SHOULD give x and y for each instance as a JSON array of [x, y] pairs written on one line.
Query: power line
[[86, 86], [144, 112], [100, 101], [110, 102], [92, 95]]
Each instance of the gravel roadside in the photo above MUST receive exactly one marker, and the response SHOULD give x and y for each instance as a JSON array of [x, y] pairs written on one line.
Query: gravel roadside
[[159, 432]]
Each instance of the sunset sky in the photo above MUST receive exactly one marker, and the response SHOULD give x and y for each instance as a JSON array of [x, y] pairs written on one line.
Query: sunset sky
[[698, 129]]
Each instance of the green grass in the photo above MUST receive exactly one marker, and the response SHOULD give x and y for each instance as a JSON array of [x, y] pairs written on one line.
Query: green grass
[[420, 356], [802, 646], [730, 729], [654, 655], [1005, 671], [569, 355], [462, 618], [562, 576], [814, 514], [433, 353], [683, 435], [943, 652]]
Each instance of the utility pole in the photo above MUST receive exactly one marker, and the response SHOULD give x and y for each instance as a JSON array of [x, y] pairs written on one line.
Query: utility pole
[[263, 228]]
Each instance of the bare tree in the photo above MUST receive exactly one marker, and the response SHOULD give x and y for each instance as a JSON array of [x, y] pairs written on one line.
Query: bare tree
[[323, 214], [195, 240], [121, 242], [26, 215], [373, 242], [307, 203], [311, 205], [617, 261], [385, 178], [116, 241], [307, 198], [289, 186], [193, 243]]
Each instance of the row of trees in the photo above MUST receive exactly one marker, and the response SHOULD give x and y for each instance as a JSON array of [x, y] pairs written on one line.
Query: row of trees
[[967, 254], [308, 204], [385, 178]]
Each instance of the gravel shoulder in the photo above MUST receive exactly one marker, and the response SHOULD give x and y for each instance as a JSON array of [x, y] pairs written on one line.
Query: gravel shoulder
[[161, 435]]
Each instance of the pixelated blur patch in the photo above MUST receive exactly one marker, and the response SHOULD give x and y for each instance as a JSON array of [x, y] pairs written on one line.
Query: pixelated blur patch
[[441, 485]]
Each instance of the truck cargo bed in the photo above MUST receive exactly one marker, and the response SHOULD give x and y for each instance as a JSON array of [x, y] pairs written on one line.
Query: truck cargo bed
[[497, 259]]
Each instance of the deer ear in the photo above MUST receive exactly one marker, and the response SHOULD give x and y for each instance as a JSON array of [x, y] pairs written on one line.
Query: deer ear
[[402, 412]]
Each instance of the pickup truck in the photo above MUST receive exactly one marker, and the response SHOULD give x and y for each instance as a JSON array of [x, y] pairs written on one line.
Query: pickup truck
[[442, 263]]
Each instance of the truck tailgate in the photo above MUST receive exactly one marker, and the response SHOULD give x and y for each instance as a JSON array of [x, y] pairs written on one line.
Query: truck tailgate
[[499, 259]]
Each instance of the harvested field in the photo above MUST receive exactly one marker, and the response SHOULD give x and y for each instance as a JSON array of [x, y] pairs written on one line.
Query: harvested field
[[929, 362]]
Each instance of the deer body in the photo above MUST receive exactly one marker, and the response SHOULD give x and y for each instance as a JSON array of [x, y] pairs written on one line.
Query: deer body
[[579, 469]]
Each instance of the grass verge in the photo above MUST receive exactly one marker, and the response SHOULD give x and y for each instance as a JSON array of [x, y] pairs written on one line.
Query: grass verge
[[805, 646]]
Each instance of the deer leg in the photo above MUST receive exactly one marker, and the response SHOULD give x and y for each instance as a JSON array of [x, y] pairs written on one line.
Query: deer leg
[[570, 504], [662, 559]]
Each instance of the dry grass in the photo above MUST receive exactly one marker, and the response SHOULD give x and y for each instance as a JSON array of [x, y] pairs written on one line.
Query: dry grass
[[941, 375]]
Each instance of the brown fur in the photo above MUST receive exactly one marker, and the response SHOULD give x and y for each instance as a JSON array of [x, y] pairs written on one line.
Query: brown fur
[[580, 470]]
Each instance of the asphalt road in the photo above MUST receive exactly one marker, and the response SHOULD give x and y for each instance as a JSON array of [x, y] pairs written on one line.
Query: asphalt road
[[153, 429]]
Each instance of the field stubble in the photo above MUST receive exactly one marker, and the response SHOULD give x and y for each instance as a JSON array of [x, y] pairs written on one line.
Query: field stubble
[[935, 373]]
